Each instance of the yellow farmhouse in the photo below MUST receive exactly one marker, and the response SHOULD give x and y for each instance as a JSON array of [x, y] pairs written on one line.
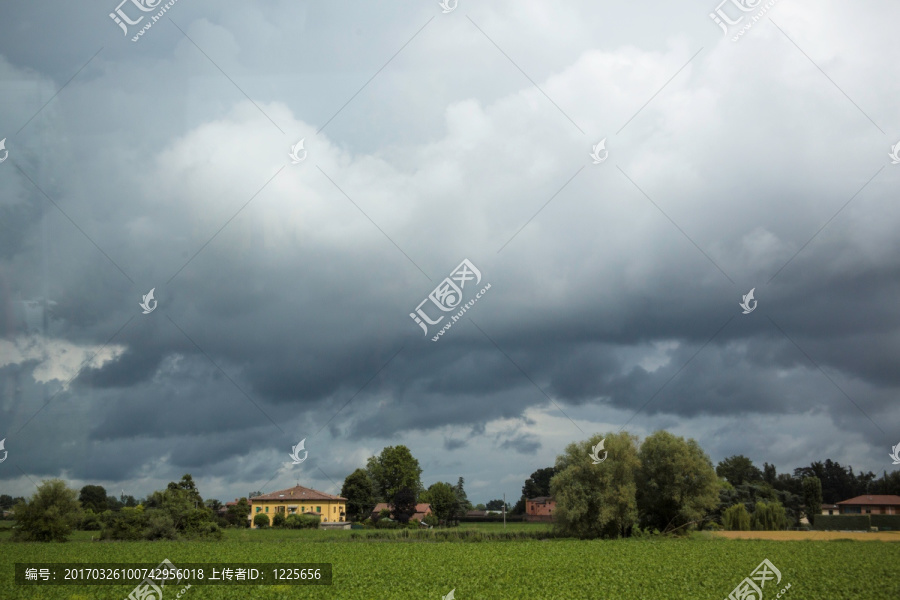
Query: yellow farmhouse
[[299, 500]]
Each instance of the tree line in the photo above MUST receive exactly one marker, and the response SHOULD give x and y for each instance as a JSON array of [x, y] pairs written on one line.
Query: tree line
[[394, 477], [667, 483]]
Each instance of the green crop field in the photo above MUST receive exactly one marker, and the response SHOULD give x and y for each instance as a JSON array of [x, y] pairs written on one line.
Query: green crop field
[[634, 569]]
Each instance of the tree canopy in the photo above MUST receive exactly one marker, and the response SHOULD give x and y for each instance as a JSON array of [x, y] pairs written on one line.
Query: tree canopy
[[49, 515], [360, 494], [676, 482], [395, 468], [597, 500]]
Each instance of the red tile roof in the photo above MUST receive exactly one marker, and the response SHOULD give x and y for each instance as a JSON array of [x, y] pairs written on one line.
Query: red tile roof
[[297, 493], [422, 510], [873, 500]]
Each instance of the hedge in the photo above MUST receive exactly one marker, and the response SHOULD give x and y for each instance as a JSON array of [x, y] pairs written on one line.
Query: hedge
[[492, 519], [857, 522], [885, 522]]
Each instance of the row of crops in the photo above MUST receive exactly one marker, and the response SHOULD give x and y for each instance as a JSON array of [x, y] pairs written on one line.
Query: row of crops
[[532, 569]]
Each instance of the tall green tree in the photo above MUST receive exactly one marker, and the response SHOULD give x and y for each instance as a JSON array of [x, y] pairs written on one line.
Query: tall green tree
[[360, 495], [93, 497], [812, 498], [395, 468], [237, 514], [443, 500], [738, 469], [403, 505], [597, 500], [50, 515], [460, 491], [676, 483]]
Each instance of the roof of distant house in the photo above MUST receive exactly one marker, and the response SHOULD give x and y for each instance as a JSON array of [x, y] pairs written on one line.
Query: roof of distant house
[[542, 499], [873, 499], [298, 492], [824, 506], [422, 509]]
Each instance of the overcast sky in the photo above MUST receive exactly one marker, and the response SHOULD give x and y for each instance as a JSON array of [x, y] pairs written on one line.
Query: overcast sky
[[283, 290]]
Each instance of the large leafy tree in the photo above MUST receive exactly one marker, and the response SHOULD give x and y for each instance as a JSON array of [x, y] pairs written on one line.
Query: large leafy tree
[[738, 469], [395, 468], [237, 514], [594, 500], [360, 495], [443, 500], [495, 504], [676, 484], [50, 515], [93, 497], [403, 505], [812, 498]]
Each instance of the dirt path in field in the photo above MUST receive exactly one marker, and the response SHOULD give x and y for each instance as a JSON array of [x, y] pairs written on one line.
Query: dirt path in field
[[883, 536]]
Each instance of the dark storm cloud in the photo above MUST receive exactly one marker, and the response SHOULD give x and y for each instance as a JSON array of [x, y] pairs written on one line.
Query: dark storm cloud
[[284, 290]]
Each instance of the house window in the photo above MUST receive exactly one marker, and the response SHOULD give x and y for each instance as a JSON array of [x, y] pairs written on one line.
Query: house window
[[852, 510], [267, 509], [868, 511], [279, 509], [318, 509], [258, 508]]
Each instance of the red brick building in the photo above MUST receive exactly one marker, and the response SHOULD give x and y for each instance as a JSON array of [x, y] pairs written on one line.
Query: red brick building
[[540, 508]]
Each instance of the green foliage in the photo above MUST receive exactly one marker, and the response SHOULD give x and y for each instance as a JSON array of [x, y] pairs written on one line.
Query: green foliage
[[359, 491], [278, 520], [159, 526], [90, 521], [49, 515], [431, 520], [261, 520], [410, 565], [768, 516], [237, 514], [736, 518], [812, 498], [444, 501], [738, 469], [597, 500], [403, 504], [386, 524], [460, 491], [393, 469], [304, 521], [126, 524], [885, 522], [676, 482], [495, 505], [842, 523], [93, 497]]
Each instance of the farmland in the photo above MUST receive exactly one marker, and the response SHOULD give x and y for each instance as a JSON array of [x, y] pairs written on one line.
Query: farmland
[[630, 569]]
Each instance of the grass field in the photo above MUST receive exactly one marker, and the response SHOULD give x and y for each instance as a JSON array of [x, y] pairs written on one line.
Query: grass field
[[859, 536], [701, 567]]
